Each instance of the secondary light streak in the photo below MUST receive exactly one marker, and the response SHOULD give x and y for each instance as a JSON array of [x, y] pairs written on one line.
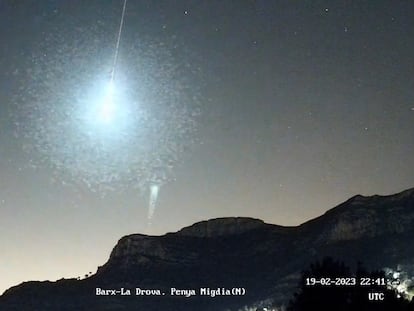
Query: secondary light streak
[[154, 189]]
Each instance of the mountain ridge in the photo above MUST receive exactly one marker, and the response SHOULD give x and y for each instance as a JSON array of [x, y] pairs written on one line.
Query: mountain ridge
[[236, 251]]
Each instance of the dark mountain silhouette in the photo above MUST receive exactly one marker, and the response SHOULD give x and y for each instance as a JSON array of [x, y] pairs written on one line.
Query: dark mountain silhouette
[[266, 260]]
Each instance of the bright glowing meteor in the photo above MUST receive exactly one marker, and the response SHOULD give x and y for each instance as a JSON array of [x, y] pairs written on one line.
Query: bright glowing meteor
[[128, 130], [107, 109]]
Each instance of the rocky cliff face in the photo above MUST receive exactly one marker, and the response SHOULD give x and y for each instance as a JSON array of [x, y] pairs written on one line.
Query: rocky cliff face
[[367, 217], [264, 259], [141, 249], [221, 227]]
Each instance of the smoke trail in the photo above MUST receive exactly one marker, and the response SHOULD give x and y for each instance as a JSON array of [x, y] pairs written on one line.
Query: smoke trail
[[154, 189]]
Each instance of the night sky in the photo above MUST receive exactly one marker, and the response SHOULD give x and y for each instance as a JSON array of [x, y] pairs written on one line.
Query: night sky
[[277, 110]]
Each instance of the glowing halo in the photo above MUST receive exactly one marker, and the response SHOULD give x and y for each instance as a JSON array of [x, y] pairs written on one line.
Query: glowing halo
[[128, 130], [110, 135]]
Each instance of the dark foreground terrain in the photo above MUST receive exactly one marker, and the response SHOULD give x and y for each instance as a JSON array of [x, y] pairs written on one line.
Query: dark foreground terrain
[[256, 263]]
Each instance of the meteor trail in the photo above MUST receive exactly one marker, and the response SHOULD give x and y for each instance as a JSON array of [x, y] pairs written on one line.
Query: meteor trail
[[121, 24]]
